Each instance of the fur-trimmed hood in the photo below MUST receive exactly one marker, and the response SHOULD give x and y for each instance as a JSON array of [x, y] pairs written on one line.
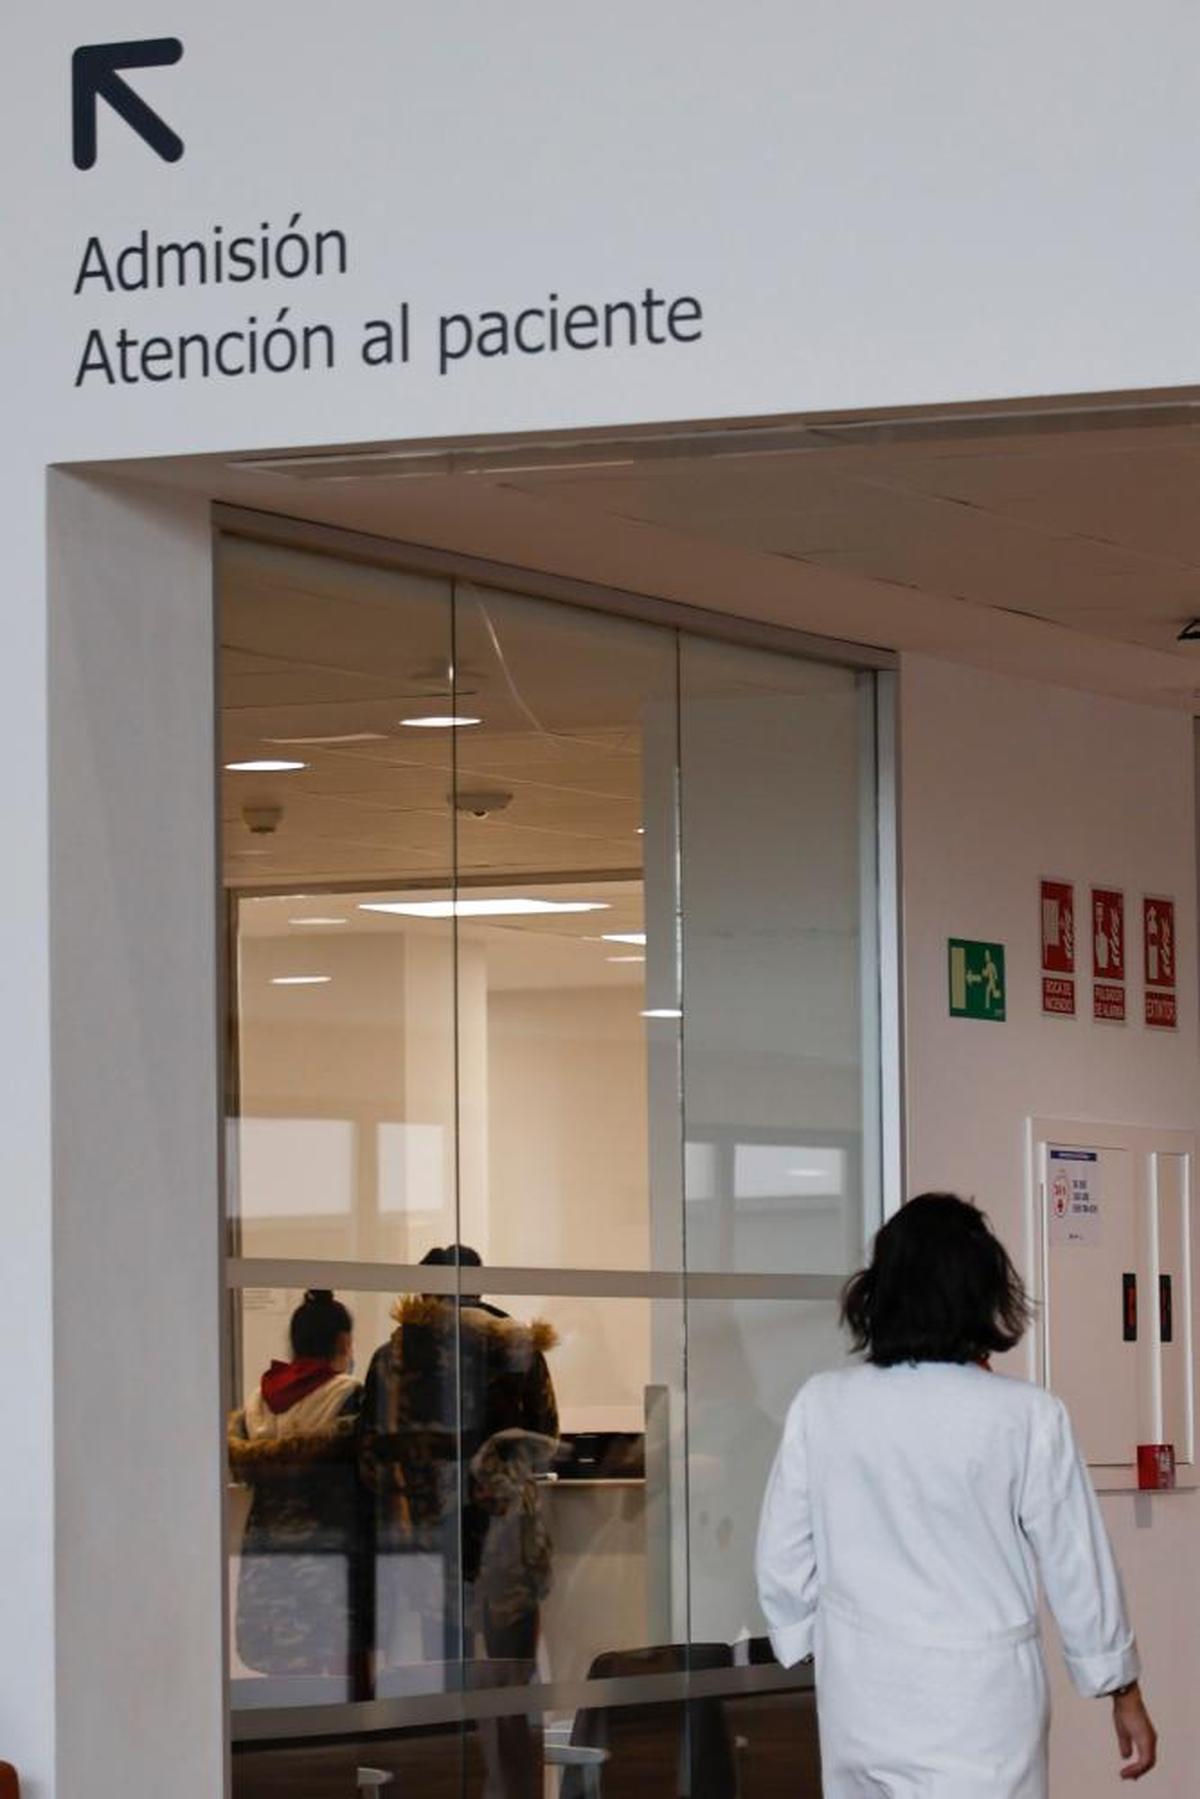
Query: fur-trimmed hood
[[518, 1342], [453, 1375]]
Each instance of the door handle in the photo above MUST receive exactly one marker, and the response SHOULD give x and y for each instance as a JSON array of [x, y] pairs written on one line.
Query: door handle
[[1166, 1310], [1129, 1308]]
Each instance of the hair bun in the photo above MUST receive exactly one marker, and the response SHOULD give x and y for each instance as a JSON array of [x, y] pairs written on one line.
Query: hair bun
[[318, 1296]]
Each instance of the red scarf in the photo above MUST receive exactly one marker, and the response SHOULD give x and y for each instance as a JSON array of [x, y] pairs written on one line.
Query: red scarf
[[285, 1384]]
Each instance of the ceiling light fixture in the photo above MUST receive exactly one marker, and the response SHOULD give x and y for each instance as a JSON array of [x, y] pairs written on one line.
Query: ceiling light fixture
[[315, 920], [449, 722], [663, 1012], [301, 980], [481, 908], [636, 938], [265, 766], [625, 958]]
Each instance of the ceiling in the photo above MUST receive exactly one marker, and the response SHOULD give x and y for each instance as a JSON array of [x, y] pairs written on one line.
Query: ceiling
[[322, 662], [1056, 539]]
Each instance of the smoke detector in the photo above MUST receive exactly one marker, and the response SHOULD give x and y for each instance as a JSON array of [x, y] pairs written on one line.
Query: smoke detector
[[263, 820], [483, 803]]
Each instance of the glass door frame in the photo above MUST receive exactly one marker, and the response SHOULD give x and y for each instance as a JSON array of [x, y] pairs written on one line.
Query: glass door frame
[[882, 1158]]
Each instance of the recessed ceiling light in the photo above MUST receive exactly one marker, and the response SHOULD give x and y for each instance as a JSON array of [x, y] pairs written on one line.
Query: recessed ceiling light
[[481, 908], [448, 722], [641, 830], [318, 921], [636, 938], [625, 958], [301, 980], [266, 766], [663, 1012]]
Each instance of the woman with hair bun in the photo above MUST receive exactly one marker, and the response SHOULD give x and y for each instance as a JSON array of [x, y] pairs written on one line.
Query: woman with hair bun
[[918, 1505], [300, 1607]]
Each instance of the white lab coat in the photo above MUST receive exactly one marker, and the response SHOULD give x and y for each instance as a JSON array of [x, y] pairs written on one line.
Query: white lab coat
[[908, 1520]]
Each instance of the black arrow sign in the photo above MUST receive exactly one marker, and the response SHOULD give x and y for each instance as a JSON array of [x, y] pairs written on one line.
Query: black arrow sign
[[94, 74]]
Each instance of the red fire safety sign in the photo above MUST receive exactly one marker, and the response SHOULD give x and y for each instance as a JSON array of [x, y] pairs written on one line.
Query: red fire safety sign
[[1058, 948], [1108, 954], [1158, 944]]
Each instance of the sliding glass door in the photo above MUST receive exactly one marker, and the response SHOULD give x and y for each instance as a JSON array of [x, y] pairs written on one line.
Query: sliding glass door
[[554, 1059]]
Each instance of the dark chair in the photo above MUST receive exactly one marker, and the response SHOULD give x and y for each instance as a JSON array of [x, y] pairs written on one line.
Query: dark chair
[[677, 1747], [10, 1786]]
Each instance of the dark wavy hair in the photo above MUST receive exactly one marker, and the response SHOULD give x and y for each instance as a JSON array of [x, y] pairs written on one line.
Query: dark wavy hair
[[939, 1288], [317, 1323]]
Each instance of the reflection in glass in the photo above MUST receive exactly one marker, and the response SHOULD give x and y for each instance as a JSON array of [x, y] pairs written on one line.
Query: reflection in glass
[[299, 1594], [746, 1360], [437, 1762], [320, 661], [584, 985], [776, 770], [512, 1461], [575, 754]]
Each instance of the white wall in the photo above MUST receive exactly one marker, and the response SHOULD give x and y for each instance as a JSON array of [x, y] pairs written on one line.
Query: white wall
[[567, 1128], [136, 1414], [567, 1180], [1003, 782], [26, 1317]]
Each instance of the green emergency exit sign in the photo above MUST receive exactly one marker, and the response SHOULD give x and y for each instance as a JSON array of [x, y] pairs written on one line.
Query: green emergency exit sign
[[977, 988]]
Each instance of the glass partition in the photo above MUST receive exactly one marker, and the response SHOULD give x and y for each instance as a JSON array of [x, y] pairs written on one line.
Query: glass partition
[[776, 773], [552, 1064]]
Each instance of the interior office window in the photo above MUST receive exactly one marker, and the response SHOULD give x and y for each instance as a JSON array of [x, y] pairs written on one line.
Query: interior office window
[[563, 800], [746, 1359], [337, 686], [777, 905], [552, 938], [484, 1496]]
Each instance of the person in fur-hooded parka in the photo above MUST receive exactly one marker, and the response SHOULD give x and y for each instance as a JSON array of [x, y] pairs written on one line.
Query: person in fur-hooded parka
[[459, 1417]]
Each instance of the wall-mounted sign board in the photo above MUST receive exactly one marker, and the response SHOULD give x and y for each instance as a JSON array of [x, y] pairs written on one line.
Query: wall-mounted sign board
[[1115, 1236], [977, 981], [1158, 962], [1057, 921]]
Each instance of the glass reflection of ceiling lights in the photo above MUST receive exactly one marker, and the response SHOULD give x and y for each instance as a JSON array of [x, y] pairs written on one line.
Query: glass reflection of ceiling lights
[[446, 722], [482, 908], [265, 766]]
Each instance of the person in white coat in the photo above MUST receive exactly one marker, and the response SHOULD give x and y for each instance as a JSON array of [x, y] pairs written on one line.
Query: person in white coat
[[917, 1503]]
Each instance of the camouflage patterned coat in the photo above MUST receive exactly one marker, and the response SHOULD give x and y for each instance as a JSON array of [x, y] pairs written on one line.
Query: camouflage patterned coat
[[299, 1604], [463, 1487]]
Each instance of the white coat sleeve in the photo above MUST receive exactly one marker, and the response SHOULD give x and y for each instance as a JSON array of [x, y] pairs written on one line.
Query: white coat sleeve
[[786, 1565], [1061, 1518]]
